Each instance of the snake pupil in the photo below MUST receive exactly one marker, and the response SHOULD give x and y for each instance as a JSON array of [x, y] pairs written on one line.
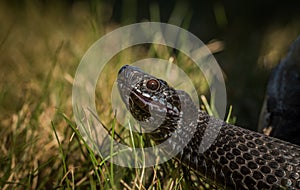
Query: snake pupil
[[152, 84]]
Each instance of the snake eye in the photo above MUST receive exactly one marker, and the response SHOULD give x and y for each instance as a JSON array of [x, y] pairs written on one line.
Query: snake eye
[[152, 84]]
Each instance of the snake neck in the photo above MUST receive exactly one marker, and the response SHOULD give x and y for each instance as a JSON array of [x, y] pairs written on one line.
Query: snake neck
[[190, 121]]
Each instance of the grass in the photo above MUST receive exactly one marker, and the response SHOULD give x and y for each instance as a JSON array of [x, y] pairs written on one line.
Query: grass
[[40, 146]]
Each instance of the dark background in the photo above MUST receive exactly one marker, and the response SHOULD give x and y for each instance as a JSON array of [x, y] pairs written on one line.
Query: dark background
[[256, 35], [253, 30]]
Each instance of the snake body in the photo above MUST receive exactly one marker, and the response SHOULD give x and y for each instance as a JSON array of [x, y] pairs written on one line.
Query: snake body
[[236, 159]]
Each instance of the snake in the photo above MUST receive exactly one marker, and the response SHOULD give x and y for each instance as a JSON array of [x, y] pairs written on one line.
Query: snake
[[237, 158]]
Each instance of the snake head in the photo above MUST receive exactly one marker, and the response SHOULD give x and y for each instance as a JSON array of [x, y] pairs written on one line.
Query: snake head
[[150, 100]]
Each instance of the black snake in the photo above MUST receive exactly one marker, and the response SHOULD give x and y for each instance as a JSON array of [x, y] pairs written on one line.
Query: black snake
[[237, 159]]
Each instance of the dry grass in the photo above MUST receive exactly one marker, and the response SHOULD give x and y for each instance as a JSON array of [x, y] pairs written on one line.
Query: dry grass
[[41, 46], [40, 50]]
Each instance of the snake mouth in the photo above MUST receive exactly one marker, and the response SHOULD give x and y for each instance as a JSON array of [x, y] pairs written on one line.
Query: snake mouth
[[143, 102], [132, 97], [138, 105]]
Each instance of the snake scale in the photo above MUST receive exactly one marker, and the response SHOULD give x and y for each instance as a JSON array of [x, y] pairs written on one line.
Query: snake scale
[[237, 158]]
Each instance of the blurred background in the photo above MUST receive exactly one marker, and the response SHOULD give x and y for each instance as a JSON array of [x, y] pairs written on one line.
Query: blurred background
[[42, 43], [256, 36]]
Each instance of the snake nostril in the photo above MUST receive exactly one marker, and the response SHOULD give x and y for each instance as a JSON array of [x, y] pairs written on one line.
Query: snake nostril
[[122, 69]]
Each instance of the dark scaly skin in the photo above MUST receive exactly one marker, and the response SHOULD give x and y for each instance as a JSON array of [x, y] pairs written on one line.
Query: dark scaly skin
[[237, 159]]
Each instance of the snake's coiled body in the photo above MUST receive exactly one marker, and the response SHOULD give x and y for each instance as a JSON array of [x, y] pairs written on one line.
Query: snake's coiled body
[[243, 159], [236, 159]]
